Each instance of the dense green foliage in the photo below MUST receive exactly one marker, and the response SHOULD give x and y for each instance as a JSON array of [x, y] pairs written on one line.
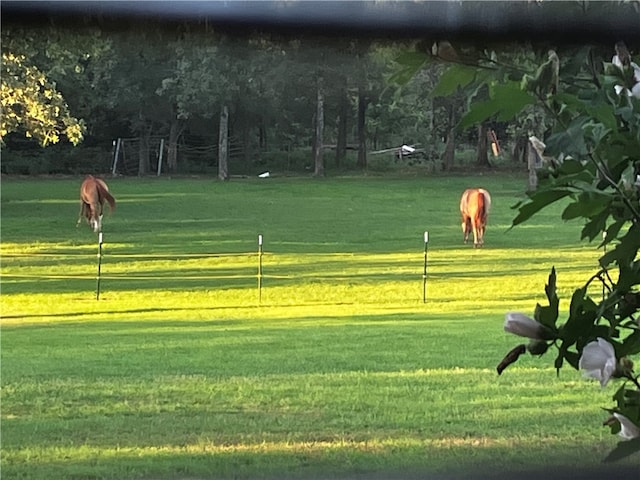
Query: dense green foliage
[[341, 370], [153, 81], [592, 158]]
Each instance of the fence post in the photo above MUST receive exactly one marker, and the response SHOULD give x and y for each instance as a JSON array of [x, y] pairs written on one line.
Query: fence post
[[260, 268], [115, 157], [424, 272], [160, 155], [99, 266]]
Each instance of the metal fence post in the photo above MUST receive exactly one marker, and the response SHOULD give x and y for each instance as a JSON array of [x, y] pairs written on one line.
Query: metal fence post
[[99, 266]]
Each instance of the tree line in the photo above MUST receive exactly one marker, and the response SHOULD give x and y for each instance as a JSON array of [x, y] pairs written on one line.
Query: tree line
[[259, 97], [241, 103]]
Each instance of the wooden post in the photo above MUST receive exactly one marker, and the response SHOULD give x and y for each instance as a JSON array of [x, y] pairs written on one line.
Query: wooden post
[[319, 137], [223, 144], [160, 155], [115, 156]]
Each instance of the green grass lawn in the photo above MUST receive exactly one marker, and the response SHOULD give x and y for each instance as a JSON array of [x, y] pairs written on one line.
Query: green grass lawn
[[335, 369]]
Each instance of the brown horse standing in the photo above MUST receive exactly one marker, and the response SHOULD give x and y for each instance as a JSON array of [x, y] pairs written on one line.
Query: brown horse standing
[[474, 208], [93, 193]]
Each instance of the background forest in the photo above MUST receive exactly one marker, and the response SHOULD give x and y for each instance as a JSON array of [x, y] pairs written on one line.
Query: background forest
[[168, 90]]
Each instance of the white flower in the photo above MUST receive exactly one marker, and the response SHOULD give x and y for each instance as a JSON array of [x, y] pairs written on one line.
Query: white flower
[[523, 326], [598, 360], [635, 90], [628, 430]]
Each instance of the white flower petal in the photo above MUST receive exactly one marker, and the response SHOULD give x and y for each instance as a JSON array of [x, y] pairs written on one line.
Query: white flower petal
[[636, 71], [616, 61], [598, 360], [628, 430], [523, 326]]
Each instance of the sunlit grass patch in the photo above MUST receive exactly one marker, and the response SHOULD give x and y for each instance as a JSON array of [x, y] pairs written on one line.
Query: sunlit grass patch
[[336, 367]]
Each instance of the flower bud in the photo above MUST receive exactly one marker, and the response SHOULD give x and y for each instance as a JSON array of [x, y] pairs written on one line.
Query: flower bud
[[537, 347], [520, 324], [625, 368]]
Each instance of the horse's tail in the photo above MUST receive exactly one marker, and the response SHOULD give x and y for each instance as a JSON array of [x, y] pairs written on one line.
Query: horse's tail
[[487, 200], [110, 200], [103, 190]]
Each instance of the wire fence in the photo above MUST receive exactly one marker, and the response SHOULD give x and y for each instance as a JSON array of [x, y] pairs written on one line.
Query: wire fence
[[158, 267]]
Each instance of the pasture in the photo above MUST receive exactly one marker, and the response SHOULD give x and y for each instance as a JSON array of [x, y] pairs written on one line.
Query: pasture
[[337, 370]]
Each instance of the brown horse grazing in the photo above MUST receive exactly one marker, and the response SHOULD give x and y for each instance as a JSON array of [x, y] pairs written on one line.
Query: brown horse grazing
[[93, 193], [474, 208]]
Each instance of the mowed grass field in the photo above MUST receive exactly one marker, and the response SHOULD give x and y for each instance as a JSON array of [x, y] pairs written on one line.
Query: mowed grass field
[[336, 368]]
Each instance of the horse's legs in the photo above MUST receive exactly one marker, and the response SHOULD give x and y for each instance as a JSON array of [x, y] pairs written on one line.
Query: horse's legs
[[81, 213], [92, 216], [99, 217], [476, 232], [466, 228]]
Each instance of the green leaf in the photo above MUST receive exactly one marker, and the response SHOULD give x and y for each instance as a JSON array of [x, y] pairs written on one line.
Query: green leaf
[[478, 113], [506, 100], [595, 226], [550, 288], [586, 206], [412, 58], [571, 166], [602, 112], [573, 358], [625, 252], [546, 315], [613, 230], [631, 345], [570, 141], [582, 315], [537, 202], [629, 277], [457, 76], [403, 76], [411, 62]]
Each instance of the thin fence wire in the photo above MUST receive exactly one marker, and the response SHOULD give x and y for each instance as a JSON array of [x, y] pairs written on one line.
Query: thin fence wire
[[131, 255]]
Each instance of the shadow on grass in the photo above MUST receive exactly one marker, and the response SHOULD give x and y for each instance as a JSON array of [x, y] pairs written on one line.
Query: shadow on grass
[[318, 462]]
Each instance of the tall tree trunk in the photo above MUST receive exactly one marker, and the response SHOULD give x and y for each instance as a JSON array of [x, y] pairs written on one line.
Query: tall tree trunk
[[143, 152], [362, 134], [341, 144], [177, 126], [519, 154], [319, 153], [223, 144], [448, 158], [262, 133], [247, 148], [482, 157], [449, 150]]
